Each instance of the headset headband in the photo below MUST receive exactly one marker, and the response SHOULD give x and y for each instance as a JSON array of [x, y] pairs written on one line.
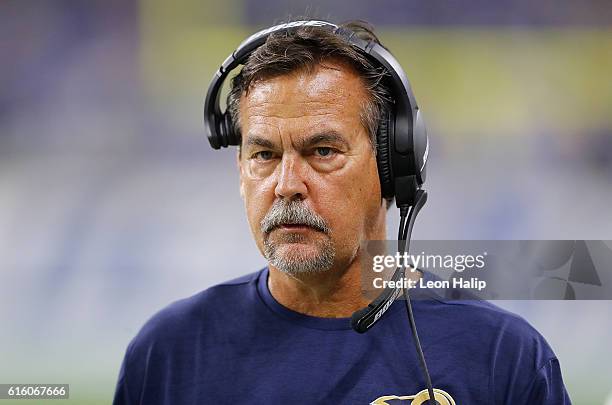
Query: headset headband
[[408, 143]]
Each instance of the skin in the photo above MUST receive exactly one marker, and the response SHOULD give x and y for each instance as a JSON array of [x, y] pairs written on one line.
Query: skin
[[302, 138]]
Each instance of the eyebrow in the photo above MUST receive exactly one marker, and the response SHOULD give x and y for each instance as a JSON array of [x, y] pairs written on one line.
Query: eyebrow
[[254, 140], [325, 137]]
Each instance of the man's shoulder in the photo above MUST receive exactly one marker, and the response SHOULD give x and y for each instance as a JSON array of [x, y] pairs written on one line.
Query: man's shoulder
[[497, 333], [487, 318], [468, 310], [479, 310], [196, 305], [186, 317], [516, 356]]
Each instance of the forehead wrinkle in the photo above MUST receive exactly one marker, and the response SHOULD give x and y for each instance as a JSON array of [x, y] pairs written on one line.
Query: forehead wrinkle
[[302, 108], [309, 87], [263, 117]]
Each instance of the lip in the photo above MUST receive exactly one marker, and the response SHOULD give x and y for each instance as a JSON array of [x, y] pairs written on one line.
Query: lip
[[295, 228]]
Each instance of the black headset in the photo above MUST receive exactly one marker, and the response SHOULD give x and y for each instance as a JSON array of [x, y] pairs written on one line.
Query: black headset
[[401, 140], [402, 148]]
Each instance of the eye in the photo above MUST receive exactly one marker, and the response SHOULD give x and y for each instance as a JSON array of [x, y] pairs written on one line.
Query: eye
[[263, 155], [324, 151]]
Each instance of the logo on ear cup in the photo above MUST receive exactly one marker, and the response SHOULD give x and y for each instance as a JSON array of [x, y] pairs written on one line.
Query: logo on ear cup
[[421, 398]]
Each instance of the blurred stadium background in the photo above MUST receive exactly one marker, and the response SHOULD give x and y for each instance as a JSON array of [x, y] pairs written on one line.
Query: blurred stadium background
[[112, 204]]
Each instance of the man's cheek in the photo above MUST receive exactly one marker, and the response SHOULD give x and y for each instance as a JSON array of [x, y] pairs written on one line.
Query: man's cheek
[[254, 216]]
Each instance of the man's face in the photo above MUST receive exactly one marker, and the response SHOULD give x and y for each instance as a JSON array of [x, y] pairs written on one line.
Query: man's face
[[308, 172]]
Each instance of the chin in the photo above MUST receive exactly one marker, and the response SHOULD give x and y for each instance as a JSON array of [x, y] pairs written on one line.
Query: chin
[[300, 258]]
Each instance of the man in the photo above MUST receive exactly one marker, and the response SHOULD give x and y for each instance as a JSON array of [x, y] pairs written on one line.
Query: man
[[307, 105]]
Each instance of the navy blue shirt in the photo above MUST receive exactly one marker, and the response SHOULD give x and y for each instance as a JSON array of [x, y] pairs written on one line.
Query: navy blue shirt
[[234, 343]]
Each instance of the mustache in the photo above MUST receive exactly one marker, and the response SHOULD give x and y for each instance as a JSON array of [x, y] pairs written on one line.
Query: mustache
[[293, 212]]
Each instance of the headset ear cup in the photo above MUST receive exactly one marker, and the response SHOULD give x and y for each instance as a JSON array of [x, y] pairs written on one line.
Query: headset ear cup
[[227, 131], [421, 148], [383, 156]]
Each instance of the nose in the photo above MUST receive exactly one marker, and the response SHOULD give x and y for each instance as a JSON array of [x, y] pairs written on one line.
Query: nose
[[291, 182]]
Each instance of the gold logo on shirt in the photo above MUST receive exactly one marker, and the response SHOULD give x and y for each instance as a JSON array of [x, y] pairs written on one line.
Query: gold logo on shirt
[[441, 396]]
